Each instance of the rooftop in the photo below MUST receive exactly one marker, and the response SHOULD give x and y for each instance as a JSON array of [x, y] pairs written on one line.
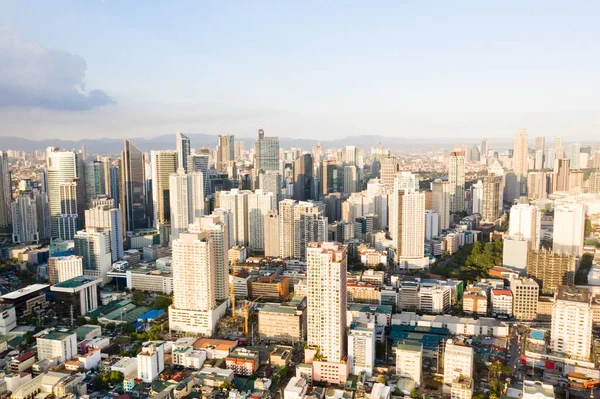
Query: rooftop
[[573, 294], [25, 291], [76, 282], [56, 335]]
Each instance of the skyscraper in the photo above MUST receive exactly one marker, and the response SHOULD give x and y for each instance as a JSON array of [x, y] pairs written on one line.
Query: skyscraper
[[198, 162], [326, 307], [484, 149], [573, 154], [572, 320], [133, 202], [266, 153], [105, 217], [520, 160], [525, 223], [164, 164], [94, 247], [441, 202], [407, 227], [6, 191], [186, 198], [301, 222], [492, 200], [537, 185], [183, 149], [456, 179], [225, 153], [389, 168], [559, 151], [569, 227], [303, 178], [62, 167], [24, 220], [94, 181], [562, 174]]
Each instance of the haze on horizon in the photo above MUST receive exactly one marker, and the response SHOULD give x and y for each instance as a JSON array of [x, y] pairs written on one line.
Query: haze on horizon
[[409, 69]]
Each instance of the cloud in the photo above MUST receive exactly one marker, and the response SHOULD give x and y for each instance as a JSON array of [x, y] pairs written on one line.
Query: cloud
[[34, 76]]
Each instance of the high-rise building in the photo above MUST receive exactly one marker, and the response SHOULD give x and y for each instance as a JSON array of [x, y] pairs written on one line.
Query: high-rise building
[[70, 218], [569, 228], [94, 181], [271, 182], [350, 179], [409, 361], [24, 220], [562, 173], [164, 164], [105, 217], [63, 268], [525, 222], [525, 298], [186, 199], [6, 191], [62, 167], [407, 227], [521, 160], [326, 307], [477, 197], [551, 270], [216, 225], [389, 168], [151, 361], [572, 319], [549, 157], [361, 347], [133, 191], [573, 154], [492, 199], [483, 150], [94, 248], [458, 361], [537, 185], [266, 153], [183, 149], [440, 201], [225, 153], [594, 183], [271, 228], [559, 151], [301, 222], [303, 178], [456, 180]]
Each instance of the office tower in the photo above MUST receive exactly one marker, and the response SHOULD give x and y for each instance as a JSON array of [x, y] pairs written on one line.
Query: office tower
[[407, 227], [24, 220], [477, 197], [458, 361], [271, 227], [225, 154], [68, 221], [216, 226], [270, 182], [549, 157], [333, 207], [106, 166], [327, 183], [377, 202], [540, 143], [63, 268], [164, 164], [594, 183], [572, 319], [266, 153], [456, 180], [326, 265], [569, 226], [94, 181], [115, 184], [62, 167], [94, 247], [198, 162], [133, 192], [520, 160], [525, 298], [537, 185], [440, 201], [389, 168], [575, 180], [303, 178], [301, 222], [409, 361], [562, 173], [540, 152], [558, 148], [6, 191], [195, 309], [42, 210], [361, 347], [483, 150], [431, 224], [492, 200], [186, 199], [573, 151], [350, 179], [525, 223], [105, 217], [183, 149], [551, 270]]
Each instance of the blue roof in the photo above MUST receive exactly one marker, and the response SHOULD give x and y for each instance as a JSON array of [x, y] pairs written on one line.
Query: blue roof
[[430, 337], [151, 315], [63, 253]]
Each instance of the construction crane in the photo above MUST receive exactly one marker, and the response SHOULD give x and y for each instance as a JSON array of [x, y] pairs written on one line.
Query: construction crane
[[232, 294], [247, 314]]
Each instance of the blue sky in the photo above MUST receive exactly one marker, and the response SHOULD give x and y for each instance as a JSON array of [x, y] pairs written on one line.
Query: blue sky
[[310, 69]]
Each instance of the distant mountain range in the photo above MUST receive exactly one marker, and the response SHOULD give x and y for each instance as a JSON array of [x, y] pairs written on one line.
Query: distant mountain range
[[114, 146]]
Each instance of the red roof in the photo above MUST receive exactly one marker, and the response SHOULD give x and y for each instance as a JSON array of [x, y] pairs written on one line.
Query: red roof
[[24, 356], [502, 292]]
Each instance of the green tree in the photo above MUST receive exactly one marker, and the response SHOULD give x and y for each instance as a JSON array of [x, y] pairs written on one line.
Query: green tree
[[414, 393], [138, 298], [588, 227], [161, 302]]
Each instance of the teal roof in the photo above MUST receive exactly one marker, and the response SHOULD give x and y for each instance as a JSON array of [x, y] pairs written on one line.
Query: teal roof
[[75, 282]]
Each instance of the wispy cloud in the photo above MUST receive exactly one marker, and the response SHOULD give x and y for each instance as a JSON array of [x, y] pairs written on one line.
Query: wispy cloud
[[34, 76]]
